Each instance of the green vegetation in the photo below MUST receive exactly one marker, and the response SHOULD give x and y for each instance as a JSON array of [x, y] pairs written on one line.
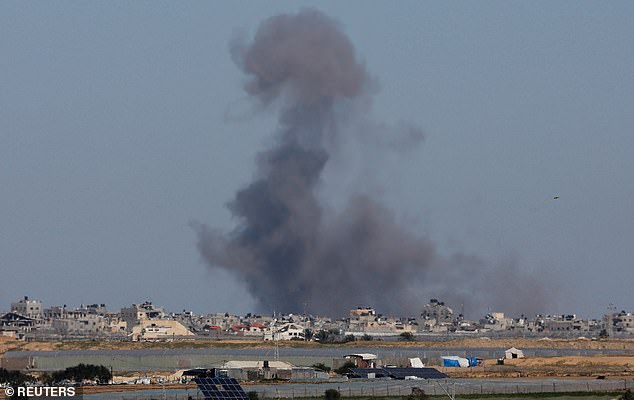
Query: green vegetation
[[345, 367], [349, 338], [15, 378], [253, 395], [406, 336], [321, 367], [333, 336], [329, 336], [332, 394], [82, 372], [417, 394]]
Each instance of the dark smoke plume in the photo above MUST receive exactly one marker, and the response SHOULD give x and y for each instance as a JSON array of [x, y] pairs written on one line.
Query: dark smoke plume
[[288, 247]]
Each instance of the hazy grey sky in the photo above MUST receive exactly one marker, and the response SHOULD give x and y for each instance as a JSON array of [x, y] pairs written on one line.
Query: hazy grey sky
[[121, 122]]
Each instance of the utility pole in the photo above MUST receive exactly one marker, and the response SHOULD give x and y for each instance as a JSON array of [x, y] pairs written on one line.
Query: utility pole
[[452, 394], [277, 347]]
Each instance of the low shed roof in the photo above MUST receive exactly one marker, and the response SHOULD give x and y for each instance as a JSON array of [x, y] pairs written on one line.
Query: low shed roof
[[364, 356]]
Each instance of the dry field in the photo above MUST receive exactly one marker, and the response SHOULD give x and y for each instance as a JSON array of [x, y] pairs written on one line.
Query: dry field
[[7, 344], [570, 366], [621, 367]]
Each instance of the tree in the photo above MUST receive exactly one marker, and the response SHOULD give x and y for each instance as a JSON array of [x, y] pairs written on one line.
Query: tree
[[345, 367], [323, 336], [321, 367], [14, 378], [82, 372], [417, 394], [46, 379], [349, 338], [406, 336], [367, 338], [332, 394]]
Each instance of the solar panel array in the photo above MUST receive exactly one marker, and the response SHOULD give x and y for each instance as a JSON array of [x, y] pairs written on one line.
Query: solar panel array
[[425, 373], [220, 388], [399, 373], [363, 372]]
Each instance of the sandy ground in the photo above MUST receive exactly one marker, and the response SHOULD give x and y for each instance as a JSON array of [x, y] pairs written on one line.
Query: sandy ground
[[621, 367], [135, 388], [7, 344]]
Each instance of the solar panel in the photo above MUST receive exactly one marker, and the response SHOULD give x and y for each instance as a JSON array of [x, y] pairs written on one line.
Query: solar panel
[[367, 372], [398, 373], [425, 373], [220, 388]]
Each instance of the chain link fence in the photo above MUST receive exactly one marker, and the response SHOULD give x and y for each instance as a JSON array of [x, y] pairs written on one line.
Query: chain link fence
[[369, 389]]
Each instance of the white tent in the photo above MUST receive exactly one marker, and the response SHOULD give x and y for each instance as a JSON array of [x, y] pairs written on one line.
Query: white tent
[[513, 353], [416, 363]]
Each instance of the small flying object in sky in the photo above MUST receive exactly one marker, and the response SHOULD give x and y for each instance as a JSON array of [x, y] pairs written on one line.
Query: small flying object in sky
[[555, 198]]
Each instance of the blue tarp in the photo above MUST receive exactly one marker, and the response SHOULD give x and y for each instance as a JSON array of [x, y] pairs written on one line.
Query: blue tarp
[[448, 362], [454, 361]]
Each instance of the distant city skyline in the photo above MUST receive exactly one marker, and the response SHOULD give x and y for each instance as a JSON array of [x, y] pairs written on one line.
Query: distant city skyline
[[122, 124], [457, 309]]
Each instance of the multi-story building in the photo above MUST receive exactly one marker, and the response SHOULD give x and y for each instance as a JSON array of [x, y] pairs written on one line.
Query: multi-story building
[[149, 322], [437, 310], [28, 307], [367, 321], [138, 313], [78, 323], [362, 315], [624, 322], [496, 321], [436, 317], [217, 322]]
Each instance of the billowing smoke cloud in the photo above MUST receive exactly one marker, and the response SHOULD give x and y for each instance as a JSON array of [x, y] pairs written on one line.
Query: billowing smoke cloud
[[288, 247]]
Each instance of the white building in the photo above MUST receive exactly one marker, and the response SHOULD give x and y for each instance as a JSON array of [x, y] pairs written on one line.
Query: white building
[[80, 324], [287, 331]]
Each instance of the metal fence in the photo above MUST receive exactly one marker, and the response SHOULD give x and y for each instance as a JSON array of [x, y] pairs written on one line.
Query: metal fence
[[368, 389], [404, 388]]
